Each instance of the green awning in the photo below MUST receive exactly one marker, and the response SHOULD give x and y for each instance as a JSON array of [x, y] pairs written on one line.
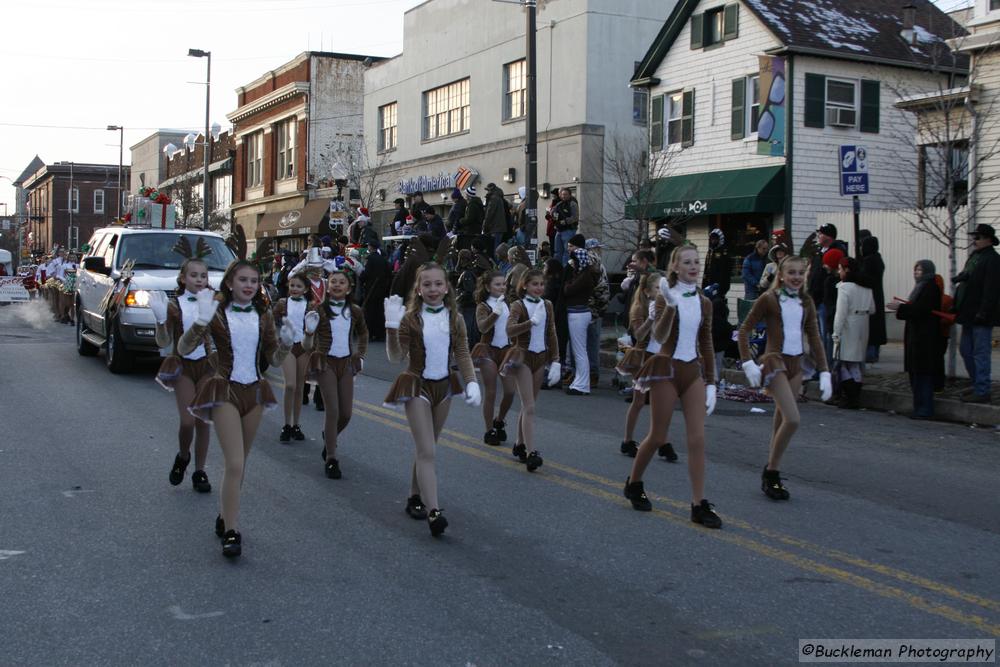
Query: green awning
[[759, 190]]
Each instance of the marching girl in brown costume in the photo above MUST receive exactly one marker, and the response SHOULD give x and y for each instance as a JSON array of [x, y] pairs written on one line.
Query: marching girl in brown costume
[[429, 331], [492, 314], [790, 316], [181, 373], [338, 350], [234, 397], [532, 328], [647, 306], [679, 370], [293, 310]]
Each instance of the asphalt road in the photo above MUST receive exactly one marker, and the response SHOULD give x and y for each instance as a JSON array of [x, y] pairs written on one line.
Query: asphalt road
[[892, 532]]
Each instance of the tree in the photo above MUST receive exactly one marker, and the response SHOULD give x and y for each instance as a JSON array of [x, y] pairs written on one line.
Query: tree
[[345, 160], [187, 199]]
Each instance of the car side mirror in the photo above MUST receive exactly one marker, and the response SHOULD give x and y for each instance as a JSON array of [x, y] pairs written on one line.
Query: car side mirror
[[96, 265]]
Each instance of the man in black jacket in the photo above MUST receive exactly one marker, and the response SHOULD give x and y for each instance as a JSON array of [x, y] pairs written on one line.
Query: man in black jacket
[[826, 238], [976, 303]]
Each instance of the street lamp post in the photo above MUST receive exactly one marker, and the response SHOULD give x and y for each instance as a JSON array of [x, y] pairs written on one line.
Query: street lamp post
[[121, 141], [198, 53]]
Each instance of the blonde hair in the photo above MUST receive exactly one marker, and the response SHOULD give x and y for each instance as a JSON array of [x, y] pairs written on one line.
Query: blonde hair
[[416, 302], [640, 300], [675, 259], [787, 260]]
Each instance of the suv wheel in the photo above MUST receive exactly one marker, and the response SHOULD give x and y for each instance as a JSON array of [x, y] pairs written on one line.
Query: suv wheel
[[116, 356], [83, 347]]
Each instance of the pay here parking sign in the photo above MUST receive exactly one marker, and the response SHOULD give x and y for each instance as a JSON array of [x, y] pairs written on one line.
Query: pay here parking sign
[[853, 170]]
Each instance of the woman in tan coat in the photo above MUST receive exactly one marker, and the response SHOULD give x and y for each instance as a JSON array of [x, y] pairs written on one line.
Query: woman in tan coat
[[855, 306], [792, 331]]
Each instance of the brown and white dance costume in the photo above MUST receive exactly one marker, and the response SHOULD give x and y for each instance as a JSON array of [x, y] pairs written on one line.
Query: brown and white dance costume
[[234, 397], [642, 316], [492, 316], [429, 338], [790, 318], [336, 354], [680, 370], [293, 309], [532, 328], [180, 374]]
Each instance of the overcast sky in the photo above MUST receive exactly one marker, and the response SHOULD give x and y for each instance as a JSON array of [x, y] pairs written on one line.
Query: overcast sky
[[73, 67]]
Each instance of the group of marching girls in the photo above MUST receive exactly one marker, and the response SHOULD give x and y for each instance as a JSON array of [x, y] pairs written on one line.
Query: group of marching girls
[[218, 343]]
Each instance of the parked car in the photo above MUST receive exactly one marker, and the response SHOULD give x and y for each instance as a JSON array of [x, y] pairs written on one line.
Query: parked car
[[112, 306]]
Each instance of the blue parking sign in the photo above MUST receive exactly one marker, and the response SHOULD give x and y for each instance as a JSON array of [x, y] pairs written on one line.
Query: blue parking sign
[[853, 170]]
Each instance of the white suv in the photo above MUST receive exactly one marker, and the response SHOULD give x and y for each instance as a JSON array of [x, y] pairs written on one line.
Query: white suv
[[122, 323]]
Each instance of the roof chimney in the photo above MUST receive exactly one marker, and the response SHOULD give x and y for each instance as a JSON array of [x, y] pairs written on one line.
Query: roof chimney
[[909, 18]]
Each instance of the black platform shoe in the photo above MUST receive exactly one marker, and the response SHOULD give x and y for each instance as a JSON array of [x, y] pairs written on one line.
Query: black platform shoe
[[500, 427], [305, 395], [667, 452], [220, 526], [199, 481], [630, 448], [437, 522], [232, 544], [770, 484], [177, 471], [297, 433], [636, 492], [415, 508], [286, 433], [491, 438], [333, 469], [534, 461], [520, 452], [703, 513]]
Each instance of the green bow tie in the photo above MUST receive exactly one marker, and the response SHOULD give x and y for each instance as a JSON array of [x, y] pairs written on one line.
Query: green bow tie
[[192, 298], [296, 298], [691, 293], [433, 311], [790, 295], [338, 304], [242, 309], [531, 299]]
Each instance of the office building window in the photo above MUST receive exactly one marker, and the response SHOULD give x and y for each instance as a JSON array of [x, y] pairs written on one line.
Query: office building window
[[514, 87], [446, 110], [255, 159], [387, 127], [74, 200], [98, 201], [285, 132]]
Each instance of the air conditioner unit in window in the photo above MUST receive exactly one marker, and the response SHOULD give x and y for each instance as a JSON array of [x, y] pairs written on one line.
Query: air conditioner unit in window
[[840, 117]]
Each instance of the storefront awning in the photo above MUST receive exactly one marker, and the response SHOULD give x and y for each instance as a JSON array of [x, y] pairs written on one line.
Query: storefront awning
[[759, 190], [297, 222]]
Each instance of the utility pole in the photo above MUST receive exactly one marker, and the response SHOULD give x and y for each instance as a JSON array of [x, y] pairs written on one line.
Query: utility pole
[[531, 122], [199, 53]]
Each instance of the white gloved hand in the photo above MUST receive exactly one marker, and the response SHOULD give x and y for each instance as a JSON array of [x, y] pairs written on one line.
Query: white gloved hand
[[311, 322], [158, 304], [652, 309], [286, 336], [709, 399], [555, 374], [472, 395], [667, 293], [361, 364], [207, 305], [752, 371], [394, 311], [536, 319], [498, 306], [825, 386]]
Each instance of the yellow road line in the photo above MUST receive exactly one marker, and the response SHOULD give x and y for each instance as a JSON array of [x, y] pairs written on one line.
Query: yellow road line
[[481, 451]]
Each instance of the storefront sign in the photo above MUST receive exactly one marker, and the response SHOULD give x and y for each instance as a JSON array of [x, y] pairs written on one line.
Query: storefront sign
[[771, 125], [687, 208], [441, 181]]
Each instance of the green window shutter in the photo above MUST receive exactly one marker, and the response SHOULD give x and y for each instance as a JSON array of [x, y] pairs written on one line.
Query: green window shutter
[[738, 130], [869, 106], [731, 22], [687, 119], [815, 100], [656, 124], [697, 30]]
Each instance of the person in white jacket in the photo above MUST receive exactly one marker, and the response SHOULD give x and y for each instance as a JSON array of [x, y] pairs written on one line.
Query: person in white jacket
[[855, 304]]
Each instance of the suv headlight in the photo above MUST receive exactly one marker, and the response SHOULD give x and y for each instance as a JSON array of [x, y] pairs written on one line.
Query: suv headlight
[[137, 299]]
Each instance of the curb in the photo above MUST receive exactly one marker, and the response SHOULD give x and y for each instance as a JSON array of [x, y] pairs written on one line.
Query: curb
[[880, 400]]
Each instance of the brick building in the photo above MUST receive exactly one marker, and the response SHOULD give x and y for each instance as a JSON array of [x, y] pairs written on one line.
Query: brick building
[[295, 129], [183, 178], [66, 202]]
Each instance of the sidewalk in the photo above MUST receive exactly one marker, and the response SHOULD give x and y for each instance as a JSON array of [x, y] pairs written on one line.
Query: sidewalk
[[887, 388]]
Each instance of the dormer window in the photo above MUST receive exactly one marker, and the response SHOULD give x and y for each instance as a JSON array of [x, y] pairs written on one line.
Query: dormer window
[[715, 26], [994, 5]]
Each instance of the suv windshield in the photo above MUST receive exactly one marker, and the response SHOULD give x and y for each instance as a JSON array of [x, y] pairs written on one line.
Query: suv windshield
[[155, 251]]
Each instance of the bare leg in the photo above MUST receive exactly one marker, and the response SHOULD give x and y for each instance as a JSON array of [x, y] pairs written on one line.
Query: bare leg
[[421, 420], [301, 364], [330, 387], [509, 387], [489, 372], [632, 415], [229, 429], [288, 370], [786, 415], [184, 393], [663, 395], [693, 402], [526, 392]]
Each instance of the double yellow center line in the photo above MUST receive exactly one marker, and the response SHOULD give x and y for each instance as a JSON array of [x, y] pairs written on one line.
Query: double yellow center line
[[777, 546]]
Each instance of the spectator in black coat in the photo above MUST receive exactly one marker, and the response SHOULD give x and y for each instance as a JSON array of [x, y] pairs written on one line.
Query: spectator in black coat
[[977, 299], [399, 219], [375, 283], [872, 271], [923, 353], [718, 266]]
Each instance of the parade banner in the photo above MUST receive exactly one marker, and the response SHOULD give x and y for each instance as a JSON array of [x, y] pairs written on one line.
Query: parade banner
[[12, 290], [771, 126]]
